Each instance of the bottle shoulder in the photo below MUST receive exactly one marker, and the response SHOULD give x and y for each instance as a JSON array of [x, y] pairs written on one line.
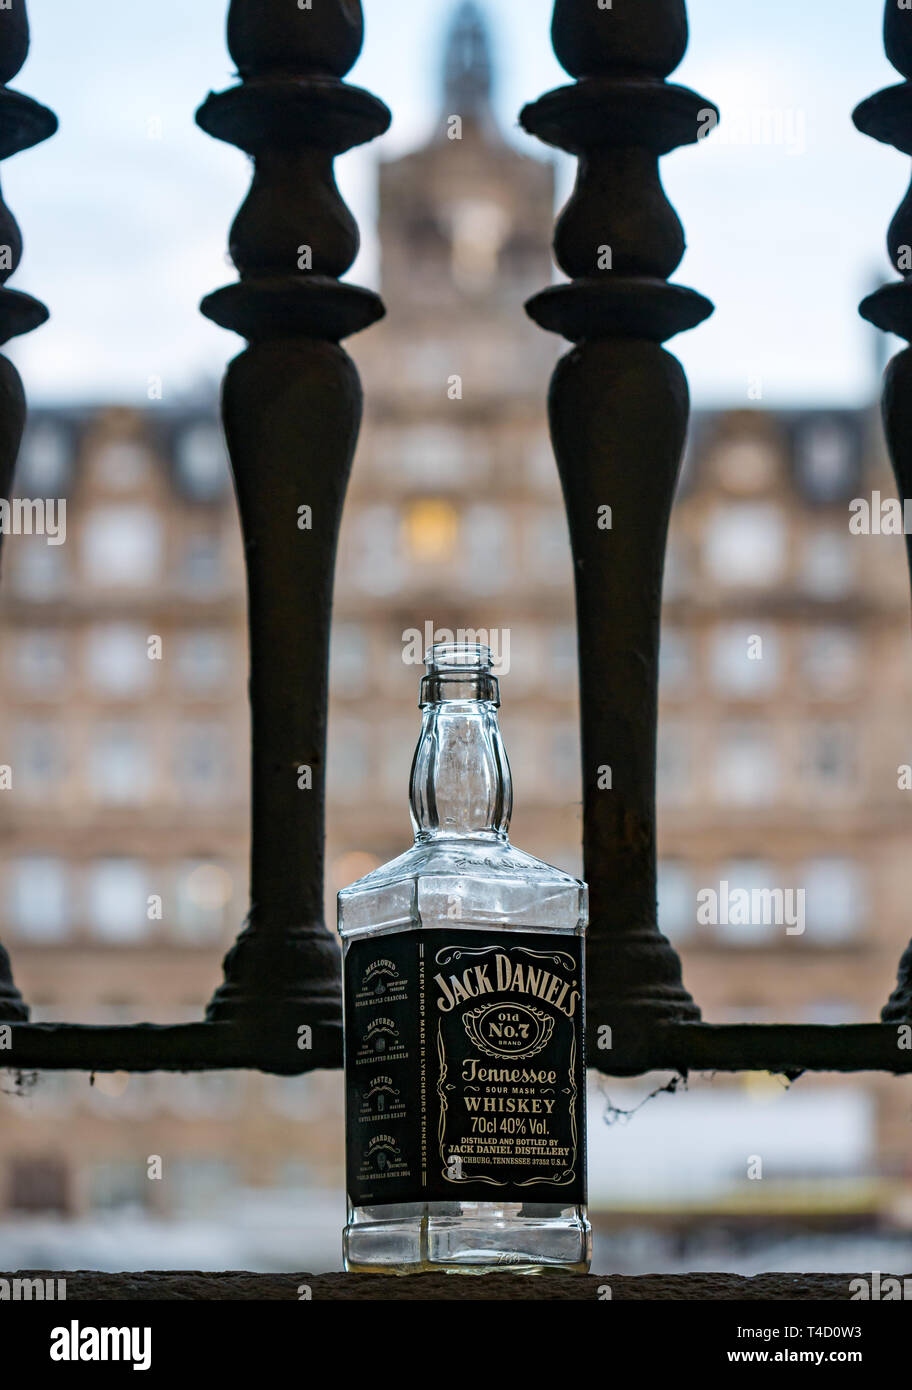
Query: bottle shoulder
[[464, 882]]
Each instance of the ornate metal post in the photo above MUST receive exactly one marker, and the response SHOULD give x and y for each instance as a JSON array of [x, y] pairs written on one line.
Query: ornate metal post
[[23, 123], [291, 410], [619, 408], [887, 116]]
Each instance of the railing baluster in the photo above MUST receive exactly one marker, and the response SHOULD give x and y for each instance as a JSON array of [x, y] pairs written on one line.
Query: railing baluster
[[23, 123], [291, 411], [619, 409], [887, 116]]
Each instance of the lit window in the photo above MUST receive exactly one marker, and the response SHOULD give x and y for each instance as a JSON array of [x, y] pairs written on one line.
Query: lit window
[[117, 659], [746, 544], [202, 464], [747, 766], [203, 661], [202, 761], [431, 530], [39, 900], [117, 900], [122, 545], [119, 768], [204, 891], [40, 662], [827, 563], [835, 900], [830, 658], [677, 898], [743, 665]]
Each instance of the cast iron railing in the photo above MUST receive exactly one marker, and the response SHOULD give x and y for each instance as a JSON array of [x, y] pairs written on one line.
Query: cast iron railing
[[619, 411]]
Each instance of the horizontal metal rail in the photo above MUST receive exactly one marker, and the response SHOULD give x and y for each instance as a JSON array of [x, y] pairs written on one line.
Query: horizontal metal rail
[[785, 1048]]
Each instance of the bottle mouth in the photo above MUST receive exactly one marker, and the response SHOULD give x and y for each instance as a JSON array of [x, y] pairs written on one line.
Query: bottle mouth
[[459, 671]]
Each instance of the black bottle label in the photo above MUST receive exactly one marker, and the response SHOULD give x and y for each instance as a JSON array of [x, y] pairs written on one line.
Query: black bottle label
[[465, 1068]]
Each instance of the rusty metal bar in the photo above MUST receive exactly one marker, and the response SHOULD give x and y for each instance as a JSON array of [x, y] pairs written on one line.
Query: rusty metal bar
[[291, 407], [887, 116], [785, 1048], [23, 123], [619, 408]]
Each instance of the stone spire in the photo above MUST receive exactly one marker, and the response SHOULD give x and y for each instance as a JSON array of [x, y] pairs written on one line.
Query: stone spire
[[468, 71]]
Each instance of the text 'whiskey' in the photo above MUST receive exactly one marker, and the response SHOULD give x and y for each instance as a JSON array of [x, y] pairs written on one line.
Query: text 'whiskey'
[[464, 1018]]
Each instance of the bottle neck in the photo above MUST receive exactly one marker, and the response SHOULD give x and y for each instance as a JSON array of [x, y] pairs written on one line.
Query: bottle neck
[[461, 784]]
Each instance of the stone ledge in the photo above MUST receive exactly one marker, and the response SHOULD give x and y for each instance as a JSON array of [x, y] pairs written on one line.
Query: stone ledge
[[193, 1286]]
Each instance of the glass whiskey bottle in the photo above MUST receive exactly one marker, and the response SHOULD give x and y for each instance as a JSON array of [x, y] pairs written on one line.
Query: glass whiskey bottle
[[464, 1017]]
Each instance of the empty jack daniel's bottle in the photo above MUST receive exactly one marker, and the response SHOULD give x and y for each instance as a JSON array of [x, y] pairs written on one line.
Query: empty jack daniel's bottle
[[464, 1048]]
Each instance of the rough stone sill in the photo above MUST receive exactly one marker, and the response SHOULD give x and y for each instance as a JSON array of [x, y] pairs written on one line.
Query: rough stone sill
[[192, 1286]]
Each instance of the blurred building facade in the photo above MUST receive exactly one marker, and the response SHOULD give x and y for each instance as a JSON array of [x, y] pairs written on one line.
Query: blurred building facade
[[786, 676]]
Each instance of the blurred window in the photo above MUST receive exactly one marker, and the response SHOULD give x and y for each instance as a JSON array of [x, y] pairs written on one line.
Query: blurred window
[[747, 765], [827, 563], [745, 544], [117, 903], [830, 660], [117, 659], [431, 530], [203, 661], [201, 567], [120, 768], [203, 891], [40, 662], [39, 759], [39, 897], [122, 545], [835, 904], [756, 879], [38, 571], [202, 761], [202, 463], [826, 452], [677, 898], [740, 665], [43, 467], [349, 659]]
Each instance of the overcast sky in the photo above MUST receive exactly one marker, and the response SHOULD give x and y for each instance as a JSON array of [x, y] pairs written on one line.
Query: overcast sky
[[125, 233]]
